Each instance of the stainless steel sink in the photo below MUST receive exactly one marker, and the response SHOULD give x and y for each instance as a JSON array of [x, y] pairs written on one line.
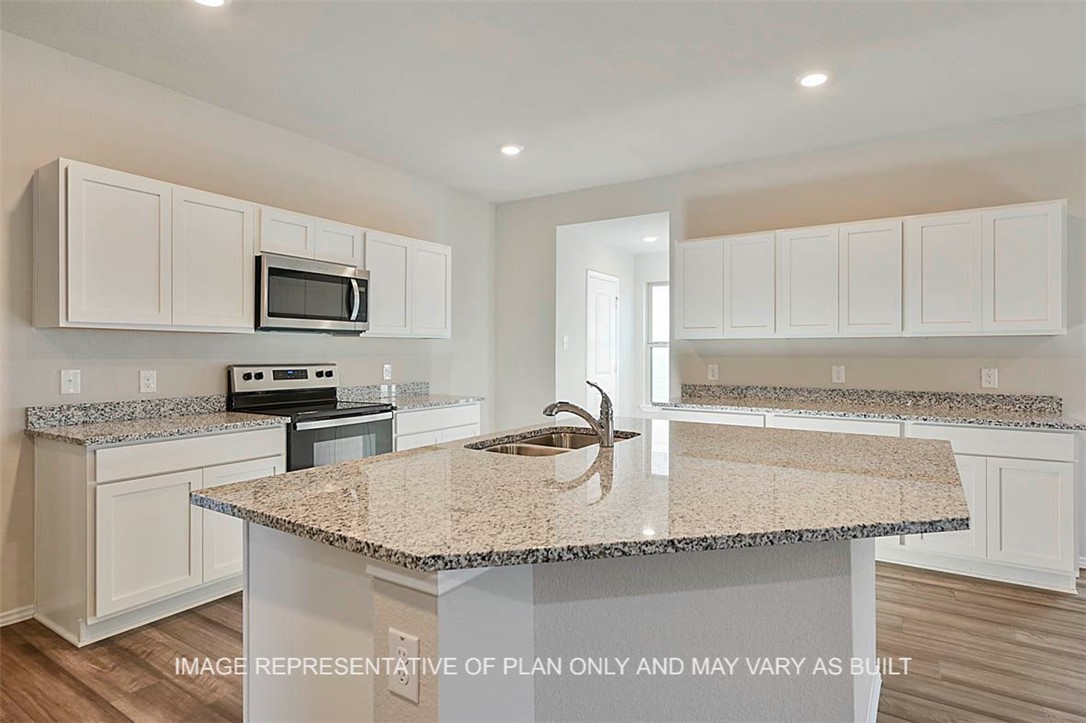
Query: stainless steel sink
[[563, 440], [524, 450]]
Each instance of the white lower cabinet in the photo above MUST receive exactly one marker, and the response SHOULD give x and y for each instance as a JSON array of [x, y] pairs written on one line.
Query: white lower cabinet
[[974, 541], [118, 543], [222, 535], [147, 540], [1031, 513], [423, 427]]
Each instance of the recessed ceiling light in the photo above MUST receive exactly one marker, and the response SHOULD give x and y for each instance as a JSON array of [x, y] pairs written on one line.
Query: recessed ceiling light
[[212, 3], [511, 149], [650, 239], [813, 80]]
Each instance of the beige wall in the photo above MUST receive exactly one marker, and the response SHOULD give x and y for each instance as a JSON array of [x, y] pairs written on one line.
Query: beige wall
[[1026, 158], [56, 105]]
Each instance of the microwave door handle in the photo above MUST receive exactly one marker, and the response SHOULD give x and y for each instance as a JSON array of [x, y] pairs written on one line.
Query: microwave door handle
[[356, 299]]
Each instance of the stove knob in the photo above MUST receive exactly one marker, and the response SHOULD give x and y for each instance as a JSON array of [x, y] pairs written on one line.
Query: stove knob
[[258, 376], [247, 376], [319, 373], [328, 373]]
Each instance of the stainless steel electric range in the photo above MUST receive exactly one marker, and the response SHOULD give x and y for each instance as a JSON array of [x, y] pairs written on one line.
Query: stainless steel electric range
[[323, 429]]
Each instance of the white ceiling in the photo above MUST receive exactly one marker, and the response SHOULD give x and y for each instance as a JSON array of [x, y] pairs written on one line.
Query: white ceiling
[[596, 92], [626, 234]]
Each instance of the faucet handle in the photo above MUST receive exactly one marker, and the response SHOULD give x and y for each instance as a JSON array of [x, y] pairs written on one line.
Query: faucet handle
[[605, 401]]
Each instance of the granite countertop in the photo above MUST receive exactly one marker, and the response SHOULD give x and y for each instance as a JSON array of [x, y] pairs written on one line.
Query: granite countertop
[[676, 487], [409, 402], [102, 434], [988, 410]]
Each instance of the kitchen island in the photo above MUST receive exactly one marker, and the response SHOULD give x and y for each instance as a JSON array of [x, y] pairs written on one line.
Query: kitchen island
[[654, 580]]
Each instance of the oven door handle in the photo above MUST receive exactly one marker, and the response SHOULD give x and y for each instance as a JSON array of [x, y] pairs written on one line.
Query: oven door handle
[[342, 421], [356, 300]]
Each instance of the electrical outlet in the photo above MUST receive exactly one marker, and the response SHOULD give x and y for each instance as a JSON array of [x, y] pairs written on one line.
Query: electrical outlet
[[989, 378], [386, 372], [148, 381], [403, 678], [838, 375], [714, 372], [70, 381]]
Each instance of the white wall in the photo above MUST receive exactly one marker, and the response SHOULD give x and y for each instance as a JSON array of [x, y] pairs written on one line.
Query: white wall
[[576, 254], [57, 105], [1026, 158]]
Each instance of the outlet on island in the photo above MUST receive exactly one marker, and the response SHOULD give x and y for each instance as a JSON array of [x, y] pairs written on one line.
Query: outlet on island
[[403, 677]]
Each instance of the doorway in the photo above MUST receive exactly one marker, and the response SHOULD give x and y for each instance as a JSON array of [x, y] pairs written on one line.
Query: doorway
[[603, 273]]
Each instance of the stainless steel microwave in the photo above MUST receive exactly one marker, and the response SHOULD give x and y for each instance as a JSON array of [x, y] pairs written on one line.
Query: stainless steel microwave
[[306, 295]]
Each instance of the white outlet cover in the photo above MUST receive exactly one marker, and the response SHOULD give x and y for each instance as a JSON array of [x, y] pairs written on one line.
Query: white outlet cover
[[148, 381], [838, 374], [714, 372], [386, 372], [403, 680], [71, 381], [989, 378]]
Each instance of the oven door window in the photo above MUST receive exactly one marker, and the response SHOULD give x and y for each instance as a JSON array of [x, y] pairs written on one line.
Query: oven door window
[[303, 295], [316, 447]]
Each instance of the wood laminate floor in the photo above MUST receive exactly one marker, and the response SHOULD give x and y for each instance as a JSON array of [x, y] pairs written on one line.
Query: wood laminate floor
[[980, 651]]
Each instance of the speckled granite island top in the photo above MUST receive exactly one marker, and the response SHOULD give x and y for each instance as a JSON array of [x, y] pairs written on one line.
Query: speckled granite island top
[[103, 434], [676, 487]]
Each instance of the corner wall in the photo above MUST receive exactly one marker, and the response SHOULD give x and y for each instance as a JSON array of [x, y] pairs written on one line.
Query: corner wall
[[54, 105]]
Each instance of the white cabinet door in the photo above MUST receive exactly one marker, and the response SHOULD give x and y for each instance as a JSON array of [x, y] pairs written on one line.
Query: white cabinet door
[[750, 272], [419, 439], [943, 287], [339, 243], [807, 281], [1023, 252], [974, 541], [222, 535], [286, 232], [213, 260], [454, 433], [147, 540], [1031, 513], [388, 261], [119, 241], [699, 291], [431, 289], [870, 278]]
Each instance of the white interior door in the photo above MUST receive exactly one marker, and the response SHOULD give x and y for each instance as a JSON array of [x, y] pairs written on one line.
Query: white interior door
[[601, 306]]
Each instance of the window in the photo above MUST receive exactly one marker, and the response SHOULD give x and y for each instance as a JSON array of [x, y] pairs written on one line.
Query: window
[[658, 334]]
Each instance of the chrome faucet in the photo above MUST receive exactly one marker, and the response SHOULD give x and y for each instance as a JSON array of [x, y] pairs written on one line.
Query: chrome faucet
[[604, 427]]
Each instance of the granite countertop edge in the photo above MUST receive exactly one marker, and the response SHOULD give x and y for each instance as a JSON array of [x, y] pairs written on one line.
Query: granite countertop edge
[[439, 562], [1061, 423], [412, 402], [187, 428]]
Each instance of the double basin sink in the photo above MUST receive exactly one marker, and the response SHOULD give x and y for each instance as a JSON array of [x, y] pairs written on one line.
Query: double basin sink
[[545, 443]]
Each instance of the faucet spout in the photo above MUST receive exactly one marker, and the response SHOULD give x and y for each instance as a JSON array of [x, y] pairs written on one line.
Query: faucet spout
[[604, 427]]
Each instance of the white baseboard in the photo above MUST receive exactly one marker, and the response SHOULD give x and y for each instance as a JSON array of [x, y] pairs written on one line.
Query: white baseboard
[[17, 615], [873, 702]]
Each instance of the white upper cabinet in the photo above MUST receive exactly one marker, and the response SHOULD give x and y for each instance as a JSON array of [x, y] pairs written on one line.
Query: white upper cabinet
[[807, 276], [410, 286], [431, 289], [699, 292], [750, 270], [870, 278], [388, 260], [1023, 251], [286, 232], [213, 269], [943, 274], [339, 243], [118, 248]]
